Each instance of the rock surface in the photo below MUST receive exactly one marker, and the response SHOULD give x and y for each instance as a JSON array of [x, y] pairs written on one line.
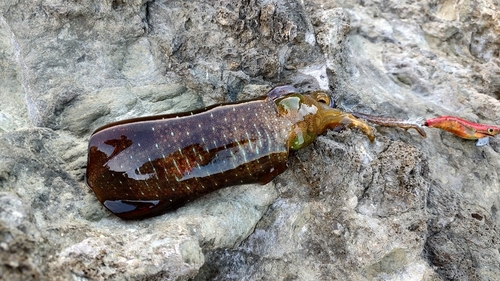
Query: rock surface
[[400, 208]]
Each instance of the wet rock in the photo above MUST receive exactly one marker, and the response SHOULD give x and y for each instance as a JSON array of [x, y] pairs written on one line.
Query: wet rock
[[400, 208]]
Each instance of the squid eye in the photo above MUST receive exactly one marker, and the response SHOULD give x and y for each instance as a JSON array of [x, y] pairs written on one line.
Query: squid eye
[[321, 97], [289, 104], [323, 100]]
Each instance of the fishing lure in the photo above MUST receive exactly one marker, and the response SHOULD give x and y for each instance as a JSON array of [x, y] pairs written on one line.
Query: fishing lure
[[147, 166], [464, 129], [391, 122]]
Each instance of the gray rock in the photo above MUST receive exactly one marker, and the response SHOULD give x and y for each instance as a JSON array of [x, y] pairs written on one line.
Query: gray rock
[[400, 208]]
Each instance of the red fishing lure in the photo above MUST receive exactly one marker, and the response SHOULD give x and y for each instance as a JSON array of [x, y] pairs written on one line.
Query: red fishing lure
[[463, 128]]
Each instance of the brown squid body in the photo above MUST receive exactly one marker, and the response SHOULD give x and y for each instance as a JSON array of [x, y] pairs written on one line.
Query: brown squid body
[[147, 166]]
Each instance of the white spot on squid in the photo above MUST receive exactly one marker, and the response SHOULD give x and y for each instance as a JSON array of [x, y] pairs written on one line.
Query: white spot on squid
[[177, 167], [268, 142], [249, 141], [242, 150]]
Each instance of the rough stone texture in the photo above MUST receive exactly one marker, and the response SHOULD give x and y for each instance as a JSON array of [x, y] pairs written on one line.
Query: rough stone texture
[[401, 208]]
